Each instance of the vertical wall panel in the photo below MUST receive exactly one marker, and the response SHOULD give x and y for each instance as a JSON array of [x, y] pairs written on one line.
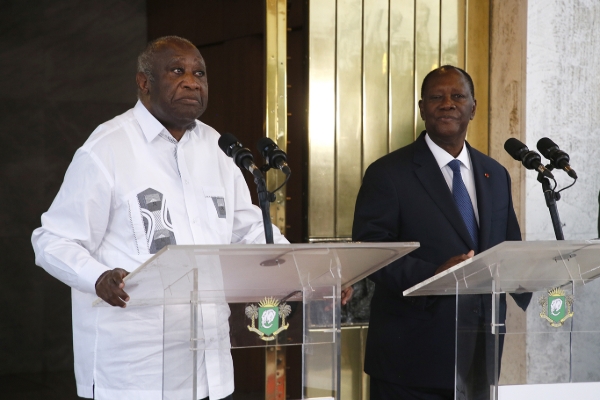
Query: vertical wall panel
[[368, 59], [321, 119], [452, 33], [375, 78], [276, 99], [478, 66], [402, 78], [427, 46], [348, 112]]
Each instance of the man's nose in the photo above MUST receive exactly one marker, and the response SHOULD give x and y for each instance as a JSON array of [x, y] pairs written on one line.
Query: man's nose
[[190, 81], [448, 102]]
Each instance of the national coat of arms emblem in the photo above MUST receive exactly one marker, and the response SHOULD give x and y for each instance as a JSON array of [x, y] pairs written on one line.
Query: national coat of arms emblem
[[267, 316], [556, 307]]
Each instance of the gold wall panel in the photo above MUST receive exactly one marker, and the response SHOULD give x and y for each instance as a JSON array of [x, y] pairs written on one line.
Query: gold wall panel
[[367, 60], [401, 77], [427, 47], [275, 372], [355, 383], [321, 118], [276, 97], [348, 112], [478, 66], [452, 33], [375, 80]]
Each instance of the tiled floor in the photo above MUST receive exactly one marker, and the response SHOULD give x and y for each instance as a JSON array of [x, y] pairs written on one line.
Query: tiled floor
[[42, 386]]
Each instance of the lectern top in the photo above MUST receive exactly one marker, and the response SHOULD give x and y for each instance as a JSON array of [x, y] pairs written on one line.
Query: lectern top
[[515, 267], [241, 271]]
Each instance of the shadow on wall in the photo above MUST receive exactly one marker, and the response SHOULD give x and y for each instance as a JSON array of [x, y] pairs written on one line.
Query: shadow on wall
[[66, 66]]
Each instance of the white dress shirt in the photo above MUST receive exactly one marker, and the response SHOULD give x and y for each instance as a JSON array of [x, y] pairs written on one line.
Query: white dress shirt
[[130, 190], [443, 158]]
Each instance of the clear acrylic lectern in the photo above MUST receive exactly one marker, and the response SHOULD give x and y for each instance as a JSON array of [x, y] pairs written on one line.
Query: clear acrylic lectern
[[552, 348], [220, 298]]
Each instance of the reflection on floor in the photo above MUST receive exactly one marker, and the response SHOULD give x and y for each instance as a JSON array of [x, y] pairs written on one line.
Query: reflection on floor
[[42, 386]]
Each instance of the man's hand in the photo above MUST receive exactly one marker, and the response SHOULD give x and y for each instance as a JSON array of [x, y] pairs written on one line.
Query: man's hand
[[109, 287], [453, 261], [347, 295]]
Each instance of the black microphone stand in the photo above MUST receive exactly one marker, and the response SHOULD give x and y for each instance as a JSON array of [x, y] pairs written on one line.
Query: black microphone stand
[[264, 201], [265, 198], [551, 198]]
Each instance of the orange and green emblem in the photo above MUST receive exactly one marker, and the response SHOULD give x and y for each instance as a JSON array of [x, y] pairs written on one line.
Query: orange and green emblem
[[556, 307], [267, 315]]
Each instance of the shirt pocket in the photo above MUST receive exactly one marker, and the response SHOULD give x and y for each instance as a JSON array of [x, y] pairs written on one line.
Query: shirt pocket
[[216, 207], [150, 220]]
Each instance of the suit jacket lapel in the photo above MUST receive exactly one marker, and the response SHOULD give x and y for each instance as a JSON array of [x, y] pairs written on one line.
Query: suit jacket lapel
[[430, 175], [483, 186]]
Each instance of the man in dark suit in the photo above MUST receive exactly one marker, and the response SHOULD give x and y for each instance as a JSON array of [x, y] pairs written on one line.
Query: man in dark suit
[[413, 194]]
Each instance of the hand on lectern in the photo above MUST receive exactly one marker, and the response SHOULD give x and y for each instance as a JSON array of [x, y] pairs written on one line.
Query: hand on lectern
[[347, 295], [453, 261], [109, 287]]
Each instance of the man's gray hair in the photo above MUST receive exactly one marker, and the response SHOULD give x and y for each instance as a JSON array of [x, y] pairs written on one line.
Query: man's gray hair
[[145, 62]]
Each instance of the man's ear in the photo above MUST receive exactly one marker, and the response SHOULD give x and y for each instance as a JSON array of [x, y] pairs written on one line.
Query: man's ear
[[143, 83], [421, 109], [474, 109]]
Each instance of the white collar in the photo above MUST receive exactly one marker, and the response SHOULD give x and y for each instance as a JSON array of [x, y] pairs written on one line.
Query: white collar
[[443, 157]]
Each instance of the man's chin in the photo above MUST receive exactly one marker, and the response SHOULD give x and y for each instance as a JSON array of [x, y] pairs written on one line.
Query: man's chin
[[447, 130], [188, 115]]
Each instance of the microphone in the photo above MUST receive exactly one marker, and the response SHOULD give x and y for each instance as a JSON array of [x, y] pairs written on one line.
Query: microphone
[[530, 159], [273, 155], [241, 156], [558, 158]]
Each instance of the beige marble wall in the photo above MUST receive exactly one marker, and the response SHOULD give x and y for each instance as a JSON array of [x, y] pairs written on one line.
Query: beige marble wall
[[507, 119], [563, 103], [507, 87], [543, 82]]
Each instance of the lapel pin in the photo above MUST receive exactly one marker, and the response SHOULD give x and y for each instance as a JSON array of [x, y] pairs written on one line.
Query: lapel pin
[[486, 175]]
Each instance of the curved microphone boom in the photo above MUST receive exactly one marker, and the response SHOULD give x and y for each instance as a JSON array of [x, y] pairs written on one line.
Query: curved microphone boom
[[529, 158], [273, 155], [558, 158]]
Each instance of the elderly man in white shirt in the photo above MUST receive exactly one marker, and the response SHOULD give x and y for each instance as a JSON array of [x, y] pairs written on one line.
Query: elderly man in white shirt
[[150, 177]]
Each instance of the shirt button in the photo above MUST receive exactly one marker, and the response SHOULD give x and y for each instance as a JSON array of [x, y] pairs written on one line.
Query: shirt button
[[187, 182]]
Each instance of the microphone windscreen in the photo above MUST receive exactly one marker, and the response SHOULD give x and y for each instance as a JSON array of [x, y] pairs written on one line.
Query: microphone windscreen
[[544, 145], [225, 142], [263, 144], [515, 148]]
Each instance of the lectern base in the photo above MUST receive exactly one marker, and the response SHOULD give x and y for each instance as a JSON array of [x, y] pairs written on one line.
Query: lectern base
[[579, 391]]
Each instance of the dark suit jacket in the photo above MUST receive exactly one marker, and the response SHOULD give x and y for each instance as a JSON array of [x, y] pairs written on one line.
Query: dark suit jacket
[[404, 197]]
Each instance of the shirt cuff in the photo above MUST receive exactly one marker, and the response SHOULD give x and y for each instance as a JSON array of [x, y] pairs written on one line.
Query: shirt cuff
[[89, 274]]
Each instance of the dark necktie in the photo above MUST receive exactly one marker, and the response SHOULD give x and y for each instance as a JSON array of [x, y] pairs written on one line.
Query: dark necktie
[[463, 201]]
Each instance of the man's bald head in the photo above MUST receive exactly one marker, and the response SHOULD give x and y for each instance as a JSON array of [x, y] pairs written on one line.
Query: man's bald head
[[147, 58], [443, 69]]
